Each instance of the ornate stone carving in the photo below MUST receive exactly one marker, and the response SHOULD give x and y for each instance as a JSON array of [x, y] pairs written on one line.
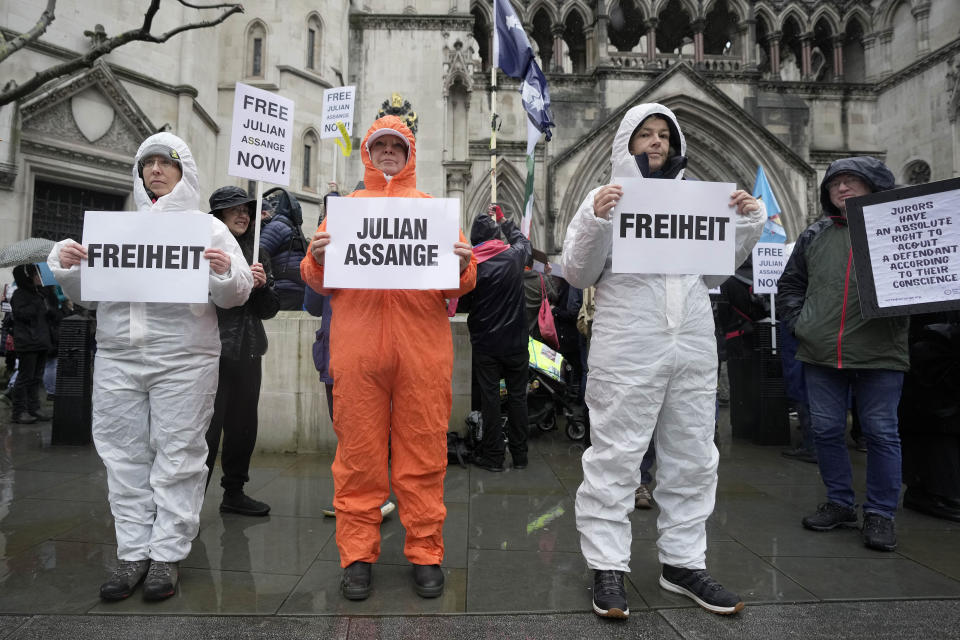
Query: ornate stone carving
[[460, 61], [384, 22]]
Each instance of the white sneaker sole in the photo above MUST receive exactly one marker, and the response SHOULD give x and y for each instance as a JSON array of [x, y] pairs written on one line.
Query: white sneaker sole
[[675, 588], [619, 614]]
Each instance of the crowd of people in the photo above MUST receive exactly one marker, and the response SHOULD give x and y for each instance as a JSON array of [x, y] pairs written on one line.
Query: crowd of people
[[176, 384]]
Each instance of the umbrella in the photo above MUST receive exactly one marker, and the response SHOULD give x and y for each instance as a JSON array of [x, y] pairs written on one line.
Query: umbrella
[[26, 251]]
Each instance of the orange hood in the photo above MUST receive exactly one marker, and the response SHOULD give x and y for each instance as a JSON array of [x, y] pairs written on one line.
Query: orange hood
[[373, 178]]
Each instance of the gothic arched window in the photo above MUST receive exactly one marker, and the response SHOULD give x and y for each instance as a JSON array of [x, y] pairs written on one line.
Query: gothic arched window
[[256, 49], [314, 38]]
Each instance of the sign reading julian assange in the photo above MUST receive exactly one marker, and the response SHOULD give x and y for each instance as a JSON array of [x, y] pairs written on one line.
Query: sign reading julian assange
[[905, 249], [262, 136], [673, 226], [392, 243], [769, 259], [145, 257]]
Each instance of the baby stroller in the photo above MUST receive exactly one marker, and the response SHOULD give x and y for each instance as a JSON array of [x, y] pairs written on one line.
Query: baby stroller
[[548, 394]]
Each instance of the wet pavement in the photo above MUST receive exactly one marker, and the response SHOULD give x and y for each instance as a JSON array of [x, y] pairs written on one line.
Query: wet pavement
[[513, 566]]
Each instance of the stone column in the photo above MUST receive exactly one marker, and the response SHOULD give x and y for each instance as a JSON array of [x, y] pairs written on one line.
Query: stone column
[[557, 31], [885, 38], [871, 68], [773, 45], [838, 41], [591, 50], [921, 14], [698, 26], [805, 48], [651, 26], [747, 30], [600, 38]]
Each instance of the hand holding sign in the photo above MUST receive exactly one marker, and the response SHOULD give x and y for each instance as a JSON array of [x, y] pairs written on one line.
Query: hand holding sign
[[318, 246], [464, 251], [219, 260], [72, 254], [606, 199], [745, 203]]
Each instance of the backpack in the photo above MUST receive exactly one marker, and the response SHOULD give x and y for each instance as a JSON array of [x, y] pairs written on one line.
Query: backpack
[[460, 448]]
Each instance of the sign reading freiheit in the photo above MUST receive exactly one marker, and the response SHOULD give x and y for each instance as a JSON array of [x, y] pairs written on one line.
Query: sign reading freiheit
[[337, 107], [392, 243], [145, 257], [673, 226], [262, 136]]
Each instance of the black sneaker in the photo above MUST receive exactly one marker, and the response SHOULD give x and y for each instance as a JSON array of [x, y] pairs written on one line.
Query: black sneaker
[[355, 584], [161, 582], [700, 587], [804, 455], [488, 465], [609, 595], [831, 515], [878, 532], [124, 580], [239, 502]]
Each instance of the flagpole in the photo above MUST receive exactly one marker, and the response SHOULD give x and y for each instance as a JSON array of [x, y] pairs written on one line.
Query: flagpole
[[493, 131]]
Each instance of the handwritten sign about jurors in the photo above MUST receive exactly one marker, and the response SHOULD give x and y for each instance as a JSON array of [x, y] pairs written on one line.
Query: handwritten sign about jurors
[[262, 136], [392, 243], [769, 259], [145, 257], [673, 226], [913, 249]]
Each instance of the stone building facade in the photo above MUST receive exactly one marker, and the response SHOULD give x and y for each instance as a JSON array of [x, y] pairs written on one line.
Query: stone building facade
[[789, 85]]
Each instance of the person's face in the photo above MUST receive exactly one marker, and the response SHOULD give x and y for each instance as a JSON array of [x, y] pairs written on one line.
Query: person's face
[[652, 138], [843, 186], [160, 175], [237, 219], [265, 214], [388, 154]]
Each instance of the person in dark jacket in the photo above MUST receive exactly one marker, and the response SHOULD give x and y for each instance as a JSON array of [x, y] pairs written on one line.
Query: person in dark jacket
[[31, 338], [282, 240], [498, 333], [842, 351], [243, 343]]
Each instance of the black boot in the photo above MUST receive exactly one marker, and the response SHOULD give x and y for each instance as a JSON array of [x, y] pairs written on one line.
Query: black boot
[[239, 502], [428, 580], [355, 584]]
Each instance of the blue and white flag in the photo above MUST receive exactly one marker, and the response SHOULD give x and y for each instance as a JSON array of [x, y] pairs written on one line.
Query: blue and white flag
[[511, 48], [535, 97], [762, 191]]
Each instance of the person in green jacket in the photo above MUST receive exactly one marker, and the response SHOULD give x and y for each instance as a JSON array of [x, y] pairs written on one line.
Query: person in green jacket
[[842, 353]]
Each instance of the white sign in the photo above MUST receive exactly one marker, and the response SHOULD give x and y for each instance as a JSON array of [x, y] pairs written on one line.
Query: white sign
[[913, 249], [392, 243], [769, 259], [337, 107], [145, 257], [262, 136], [674, 226]]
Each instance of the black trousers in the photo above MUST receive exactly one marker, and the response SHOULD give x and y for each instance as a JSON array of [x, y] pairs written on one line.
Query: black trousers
[[488, 369], [235, 416], [26, 388]]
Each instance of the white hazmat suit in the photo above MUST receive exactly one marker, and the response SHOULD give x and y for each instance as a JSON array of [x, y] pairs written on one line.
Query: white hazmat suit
[[155, 379], [653, 370]]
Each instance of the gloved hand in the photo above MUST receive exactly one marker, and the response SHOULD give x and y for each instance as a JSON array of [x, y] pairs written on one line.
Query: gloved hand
[[497, 212]]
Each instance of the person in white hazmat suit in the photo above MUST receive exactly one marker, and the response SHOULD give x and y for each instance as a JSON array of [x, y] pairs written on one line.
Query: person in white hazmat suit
[[653, 370], [154, 384]]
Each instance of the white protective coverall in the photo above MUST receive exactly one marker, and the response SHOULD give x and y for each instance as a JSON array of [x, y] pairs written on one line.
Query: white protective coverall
[[653, 369], [154, 383]]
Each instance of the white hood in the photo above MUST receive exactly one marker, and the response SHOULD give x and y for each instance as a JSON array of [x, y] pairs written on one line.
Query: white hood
[[185, 196], [622, 163]]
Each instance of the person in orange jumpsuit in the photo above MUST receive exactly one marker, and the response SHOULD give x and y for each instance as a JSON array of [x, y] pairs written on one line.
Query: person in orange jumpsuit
[[391, 354]]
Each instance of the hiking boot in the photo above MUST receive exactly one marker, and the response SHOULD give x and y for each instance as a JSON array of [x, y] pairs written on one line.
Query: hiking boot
[[428, 580], [488, 465], [879, 532], [700, 587], [124, 580], [609, 595], [161, 582], [355, 584], [830, 515], [23, 418], [239, 502], [41, 416], [642, 498]]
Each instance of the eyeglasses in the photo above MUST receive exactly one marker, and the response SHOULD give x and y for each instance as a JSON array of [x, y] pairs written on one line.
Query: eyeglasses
[[850, 180], [160, 161]]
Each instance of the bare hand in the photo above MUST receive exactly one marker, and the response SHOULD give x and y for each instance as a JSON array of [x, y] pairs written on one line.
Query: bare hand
[[259, 276], [72, 254], [318, 246], [746, 203], [464, 251], [606, 199], [547, 269], [219, 260]]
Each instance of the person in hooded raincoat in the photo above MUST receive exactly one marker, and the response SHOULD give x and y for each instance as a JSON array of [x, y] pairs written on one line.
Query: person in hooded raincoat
[[841, 351], [391, 355], [653, 370], [154, 383]]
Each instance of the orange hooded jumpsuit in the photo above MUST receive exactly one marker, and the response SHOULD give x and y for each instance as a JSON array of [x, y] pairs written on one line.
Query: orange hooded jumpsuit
[[391, 356]]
